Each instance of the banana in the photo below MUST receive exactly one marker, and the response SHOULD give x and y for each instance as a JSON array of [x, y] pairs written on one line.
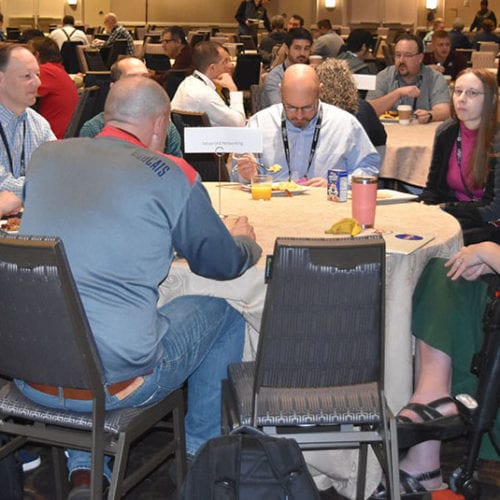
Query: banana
[[345, 226]]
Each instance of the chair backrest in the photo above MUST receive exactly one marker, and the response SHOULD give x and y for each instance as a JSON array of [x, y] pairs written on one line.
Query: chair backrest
[[155, 57], [118, 47], [196, 38], [488, 47], [248, 42], [483, 59], [70, 57], [173, 79], [86, 108], [255, 98], [207, 164], [247, 71], [101, 36], [466, 53], [93, 59], [388, 57], [45, 337], [139, 32], [13, 33], [323, 320]]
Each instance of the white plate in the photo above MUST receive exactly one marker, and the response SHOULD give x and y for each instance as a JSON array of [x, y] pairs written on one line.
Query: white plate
[[389, 196], [2, 225], [299, 190]]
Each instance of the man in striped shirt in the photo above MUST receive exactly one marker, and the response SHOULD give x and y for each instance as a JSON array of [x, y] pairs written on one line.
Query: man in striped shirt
[[22, 130]]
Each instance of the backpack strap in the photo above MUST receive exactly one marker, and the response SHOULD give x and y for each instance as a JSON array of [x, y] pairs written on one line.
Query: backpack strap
[[225, 460], [289, 467]]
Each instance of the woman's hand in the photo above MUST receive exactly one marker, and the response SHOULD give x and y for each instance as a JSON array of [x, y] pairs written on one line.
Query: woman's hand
[[472, 261]]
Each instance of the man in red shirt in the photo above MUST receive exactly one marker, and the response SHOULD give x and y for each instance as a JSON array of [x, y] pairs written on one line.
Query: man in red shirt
[[57, 92]]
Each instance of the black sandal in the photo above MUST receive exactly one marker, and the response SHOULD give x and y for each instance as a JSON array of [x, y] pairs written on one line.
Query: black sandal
[[410, 485], [434, 425]]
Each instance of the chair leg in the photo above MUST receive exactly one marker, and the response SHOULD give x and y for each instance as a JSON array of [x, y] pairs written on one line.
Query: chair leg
[[393, 460], [60, 472], [180, 439], [362, 460], [119, 469]]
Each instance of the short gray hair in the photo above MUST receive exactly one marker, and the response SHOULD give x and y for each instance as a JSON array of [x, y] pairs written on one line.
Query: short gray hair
[[135, 98]]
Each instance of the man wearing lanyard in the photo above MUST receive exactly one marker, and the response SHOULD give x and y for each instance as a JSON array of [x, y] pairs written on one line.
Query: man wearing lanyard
[[212, 66], [22, 130], [307, 137], [410, 82]]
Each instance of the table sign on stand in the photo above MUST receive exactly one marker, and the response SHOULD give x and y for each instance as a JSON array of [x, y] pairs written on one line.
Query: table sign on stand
[[220, 140]]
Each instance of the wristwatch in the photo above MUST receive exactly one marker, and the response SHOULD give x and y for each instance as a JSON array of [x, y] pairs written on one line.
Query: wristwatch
[[429, 117]]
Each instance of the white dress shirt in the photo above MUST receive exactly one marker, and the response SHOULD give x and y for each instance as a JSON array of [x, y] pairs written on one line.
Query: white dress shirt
[[198, 93]]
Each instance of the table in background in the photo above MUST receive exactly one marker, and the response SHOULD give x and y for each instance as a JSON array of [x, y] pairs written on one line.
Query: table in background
[[408, 152]]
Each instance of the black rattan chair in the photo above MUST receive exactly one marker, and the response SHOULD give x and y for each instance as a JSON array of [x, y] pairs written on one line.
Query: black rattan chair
[[86, 108], [207, 164], [45, 339], [318, 375]]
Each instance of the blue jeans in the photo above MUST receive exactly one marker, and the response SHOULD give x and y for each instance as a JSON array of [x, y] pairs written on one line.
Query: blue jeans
[[201, 337]]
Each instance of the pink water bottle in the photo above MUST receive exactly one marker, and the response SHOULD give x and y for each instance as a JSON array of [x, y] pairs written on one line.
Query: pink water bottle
[[364, 199]]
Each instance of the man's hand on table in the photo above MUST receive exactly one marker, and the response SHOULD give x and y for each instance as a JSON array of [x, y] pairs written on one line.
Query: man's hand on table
[[423, 115], [315, 182], [241, 227], [9, 203]]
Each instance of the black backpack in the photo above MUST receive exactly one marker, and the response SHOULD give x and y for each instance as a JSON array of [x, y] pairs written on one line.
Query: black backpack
[[249, 465]]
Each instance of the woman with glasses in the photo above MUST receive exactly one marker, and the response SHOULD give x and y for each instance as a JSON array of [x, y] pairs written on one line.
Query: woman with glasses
[[466, 148]]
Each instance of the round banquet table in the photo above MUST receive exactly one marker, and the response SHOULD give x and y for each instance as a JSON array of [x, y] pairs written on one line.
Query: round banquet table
[[408, 152], [308, 215]]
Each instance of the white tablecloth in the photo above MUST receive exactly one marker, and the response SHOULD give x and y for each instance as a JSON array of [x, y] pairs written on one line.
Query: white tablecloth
[[408, 152], [309, 215]]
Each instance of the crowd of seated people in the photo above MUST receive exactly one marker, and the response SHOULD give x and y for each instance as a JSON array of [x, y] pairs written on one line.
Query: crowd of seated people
[[312, 119]]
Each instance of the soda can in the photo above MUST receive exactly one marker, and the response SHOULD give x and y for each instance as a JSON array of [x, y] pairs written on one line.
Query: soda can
[[337, 185]]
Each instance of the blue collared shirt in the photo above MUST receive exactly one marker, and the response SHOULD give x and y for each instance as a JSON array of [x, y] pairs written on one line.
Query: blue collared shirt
[[19, 137], [342, 143]]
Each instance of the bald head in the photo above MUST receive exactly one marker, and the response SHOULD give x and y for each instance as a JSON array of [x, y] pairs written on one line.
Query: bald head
[[138, 105], [301, 75], [110, 21], [300, 94], [128, 66]]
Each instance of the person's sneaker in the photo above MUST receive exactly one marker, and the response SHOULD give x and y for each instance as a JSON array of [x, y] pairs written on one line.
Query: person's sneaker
[[80, 485], [29, 459]]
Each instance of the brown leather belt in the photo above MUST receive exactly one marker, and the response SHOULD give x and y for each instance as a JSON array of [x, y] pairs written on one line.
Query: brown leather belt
[[82, 394]]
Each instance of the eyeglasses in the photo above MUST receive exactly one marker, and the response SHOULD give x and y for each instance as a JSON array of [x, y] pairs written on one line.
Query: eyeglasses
[[405, 56], [165, 41], [304, 109], [469, 93]]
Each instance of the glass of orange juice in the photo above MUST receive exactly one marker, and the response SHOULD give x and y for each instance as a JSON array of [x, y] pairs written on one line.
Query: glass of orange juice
[[262, 187]]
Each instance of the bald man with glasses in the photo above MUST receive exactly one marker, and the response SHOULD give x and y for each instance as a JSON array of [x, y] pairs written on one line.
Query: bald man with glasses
[[409, 81], [306, 136]]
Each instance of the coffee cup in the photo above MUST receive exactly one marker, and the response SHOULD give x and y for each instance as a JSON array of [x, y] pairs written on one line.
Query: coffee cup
[[315, 60], [404, 113]]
